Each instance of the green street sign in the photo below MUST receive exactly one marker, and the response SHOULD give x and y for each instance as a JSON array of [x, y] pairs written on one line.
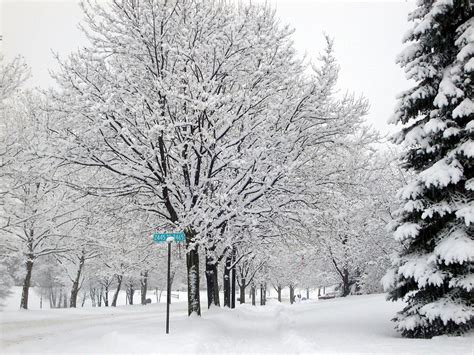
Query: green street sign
[[163, 237]]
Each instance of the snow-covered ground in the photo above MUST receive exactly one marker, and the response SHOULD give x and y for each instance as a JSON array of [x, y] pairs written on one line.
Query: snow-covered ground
[[356, 324]]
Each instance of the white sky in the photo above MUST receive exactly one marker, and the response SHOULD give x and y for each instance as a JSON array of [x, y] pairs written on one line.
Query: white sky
[[367, 39]]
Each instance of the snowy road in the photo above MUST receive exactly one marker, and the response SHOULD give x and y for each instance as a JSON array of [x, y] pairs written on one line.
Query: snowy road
[[357, 324]]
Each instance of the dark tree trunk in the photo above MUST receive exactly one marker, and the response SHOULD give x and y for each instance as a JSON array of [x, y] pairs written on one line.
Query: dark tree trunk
[[346, 287], [226, 282], [233, 281], [263, 298], [105, 293], [307, 293], [99, 298], [192, 263], [242, 292], [252, 292], [279, 293], [119, 285], [26, 283], [75, 284], [319, 292], [292, 294], [130, 293], [143, 286], [211, 269], [217, 301]]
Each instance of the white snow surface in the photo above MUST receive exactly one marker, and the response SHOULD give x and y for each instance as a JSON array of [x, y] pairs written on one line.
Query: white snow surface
[[434, 125], [442, 174], [467, 148], [464, 109], [466, 212], [423, 269], [406, 231], [447, 310], [457, 247], [447, 89], [356, 324]]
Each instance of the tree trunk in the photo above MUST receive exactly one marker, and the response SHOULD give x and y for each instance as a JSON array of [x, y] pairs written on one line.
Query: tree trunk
[[130, 293], [217, 301], [60, 299], [346, 287], [228, 263], [65, 300], [192, 263], [92, 296], [242, 292], [279, 293], [99, 298], [106, 296], [307, 293], [262, 295], [292, 294], [52, 301], [143, 286], [319, 292], [75, 284], [119, 284], [210, 270], [233, 280], [26, 283], [252, 292]]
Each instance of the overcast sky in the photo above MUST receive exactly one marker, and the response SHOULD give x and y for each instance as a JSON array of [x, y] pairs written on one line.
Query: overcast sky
[[367, 34]]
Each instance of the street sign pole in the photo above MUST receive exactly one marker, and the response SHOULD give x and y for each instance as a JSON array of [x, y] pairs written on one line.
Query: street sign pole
[[168, 294], [168, 238]]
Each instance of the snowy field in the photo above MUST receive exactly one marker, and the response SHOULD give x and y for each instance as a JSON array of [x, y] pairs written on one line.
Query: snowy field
[[356, 324]]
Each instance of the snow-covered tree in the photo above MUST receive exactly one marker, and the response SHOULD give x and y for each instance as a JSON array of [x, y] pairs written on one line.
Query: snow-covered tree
[[199, 108], [36, 212], [434, 271], [12, 76], [351, 228]]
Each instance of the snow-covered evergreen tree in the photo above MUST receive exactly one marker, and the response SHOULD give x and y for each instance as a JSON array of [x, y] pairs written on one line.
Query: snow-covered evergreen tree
[[434, 272]]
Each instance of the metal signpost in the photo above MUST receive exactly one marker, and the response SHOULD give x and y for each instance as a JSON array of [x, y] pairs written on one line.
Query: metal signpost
[[168, 238]]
